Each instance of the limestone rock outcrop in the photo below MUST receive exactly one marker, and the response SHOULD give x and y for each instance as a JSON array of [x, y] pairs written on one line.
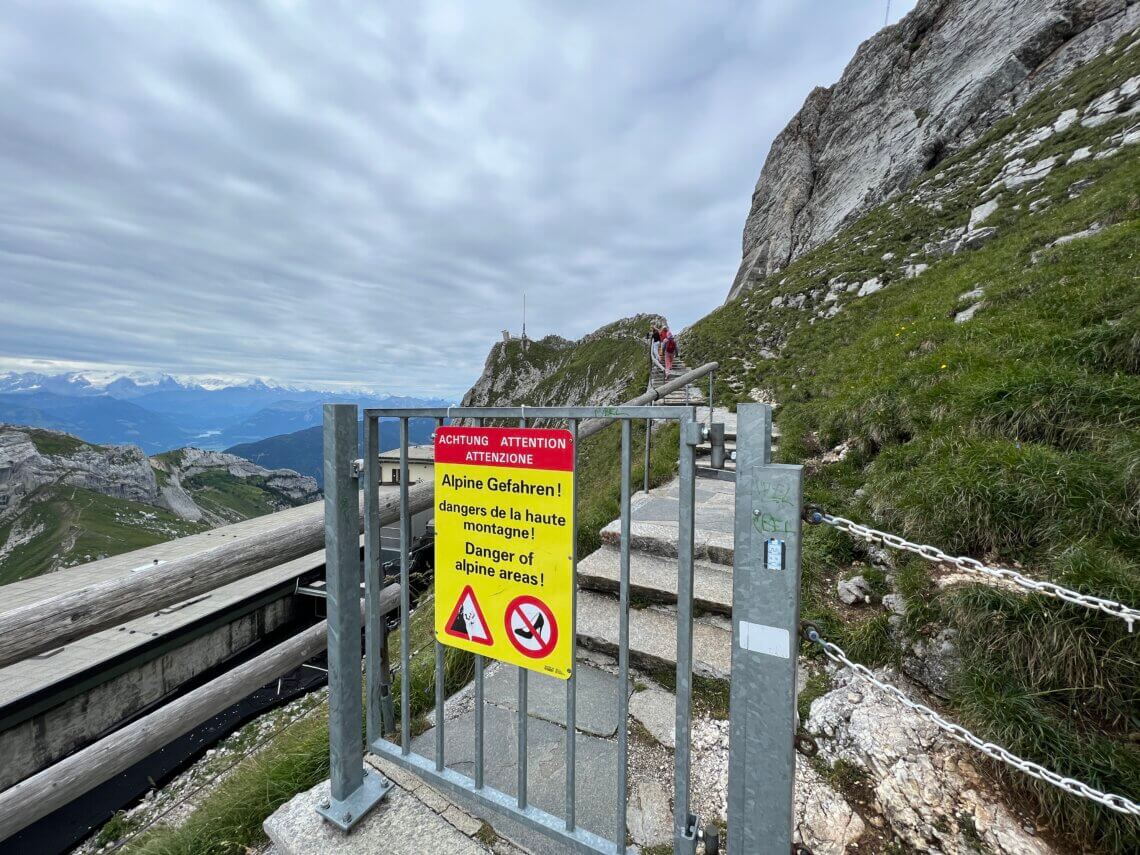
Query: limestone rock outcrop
[[31, 460], [913, 94], [924, 785], [123, 472]]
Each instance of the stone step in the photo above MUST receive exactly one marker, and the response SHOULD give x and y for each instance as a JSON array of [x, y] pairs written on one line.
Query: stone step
[[652, 577], [654, 527], [729, 466], [707, 472], [653, 635]]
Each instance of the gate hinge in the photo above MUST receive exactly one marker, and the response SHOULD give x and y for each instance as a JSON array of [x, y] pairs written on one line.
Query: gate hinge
[[692, 433]]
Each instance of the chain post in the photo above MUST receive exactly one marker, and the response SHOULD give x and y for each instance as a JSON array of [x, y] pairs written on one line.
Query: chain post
[[765, 617]]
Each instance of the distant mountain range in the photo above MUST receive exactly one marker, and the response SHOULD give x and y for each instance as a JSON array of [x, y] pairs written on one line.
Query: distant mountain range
[[303, 450], [163, 412]]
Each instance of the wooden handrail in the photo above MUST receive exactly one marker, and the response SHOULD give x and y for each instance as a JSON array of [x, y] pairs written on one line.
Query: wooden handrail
[[58, 620], [59, 784]]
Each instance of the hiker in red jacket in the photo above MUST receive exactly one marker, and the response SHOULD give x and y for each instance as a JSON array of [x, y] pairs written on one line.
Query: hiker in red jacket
[[669, 349]]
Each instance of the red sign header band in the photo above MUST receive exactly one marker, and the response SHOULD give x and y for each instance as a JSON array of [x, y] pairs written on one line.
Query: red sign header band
[[521, 448]]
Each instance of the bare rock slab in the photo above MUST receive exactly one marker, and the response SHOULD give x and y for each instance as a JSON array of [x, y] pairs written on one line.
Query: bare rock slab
[[399, 825], [656, 711], [649, 815]]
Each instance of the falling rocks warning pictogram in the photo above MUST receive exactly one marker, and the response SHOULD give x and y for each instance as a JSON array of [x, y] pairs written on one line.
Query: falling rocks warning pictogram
[[467, 621]]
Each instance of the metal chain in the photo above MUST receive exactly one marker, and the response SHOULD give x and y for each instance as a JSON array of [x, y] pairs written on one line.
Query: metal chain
[[1034, 770], [932, 553]]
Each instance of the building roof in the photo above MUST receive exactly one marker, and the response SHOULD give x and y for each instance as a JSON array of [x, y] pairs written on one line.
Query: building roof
[[416, 454]]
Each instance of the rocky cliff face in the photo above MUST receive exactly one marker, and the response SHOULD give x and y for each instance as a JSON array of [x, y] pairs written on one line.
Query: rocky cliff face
[[123, 472], [284, 487], [34, 459], [913, 94]]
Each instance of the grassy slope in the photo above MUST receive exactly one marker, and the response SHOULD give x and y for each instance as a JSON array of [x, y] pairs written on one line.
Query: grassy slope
[[1014, 437], [612, 358], [229, 819], [81, 525], [231, 497]]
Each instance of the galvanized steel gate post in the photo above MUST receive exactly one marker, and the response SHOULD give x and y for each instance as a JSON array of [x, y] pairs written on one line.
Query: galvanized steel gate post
[[353, 789], [765, 618]]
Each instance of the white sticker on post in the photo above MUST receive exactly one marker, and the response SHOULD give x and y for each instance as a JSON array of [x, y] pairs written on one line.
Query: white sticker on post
[[769, 640]]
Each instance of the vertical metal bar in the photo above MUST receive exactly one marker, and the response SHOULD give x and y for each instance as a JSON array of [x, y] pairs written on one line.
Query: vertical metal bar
[[712, 374], [478, 700], [623, 638], [376, 678], [439, 688], [405, 598], [522, 721], [765, 619], [649, 382], [572, 683], [648, 440], [342, 580], [716, 445], [683, 822]]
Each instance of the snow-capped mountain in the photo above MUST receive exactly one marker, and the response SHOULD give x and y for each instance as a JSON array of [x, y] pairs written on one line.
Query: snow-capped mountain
[[162, 411], [126, 385]]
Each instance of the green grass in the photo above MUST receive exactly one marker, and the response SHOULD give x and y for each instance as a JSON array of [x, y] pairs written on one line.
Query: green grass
[[228, 821], [1014, 437], [82, 525], [231, 497], [458, 665], [52, 442], [817, 685]]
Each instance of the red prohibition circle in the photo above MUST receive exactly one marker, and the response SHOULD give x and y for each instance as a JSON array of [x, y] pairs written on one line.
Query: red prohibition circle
[[528, 600]]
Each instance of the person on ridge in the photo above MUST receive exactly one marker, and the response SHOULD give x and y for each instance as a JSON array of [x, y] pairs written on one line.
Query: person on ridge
[[668, 348], [655, 347]]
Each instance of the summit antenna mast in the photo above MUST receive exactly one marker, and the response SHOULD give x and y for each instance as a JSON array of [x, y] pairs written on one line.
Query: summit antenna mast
[[887, 17]]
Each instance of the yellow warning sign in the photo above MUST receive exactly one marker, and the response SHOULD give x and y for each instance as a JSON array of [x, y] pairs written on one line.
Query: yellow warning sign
[[504, 540]]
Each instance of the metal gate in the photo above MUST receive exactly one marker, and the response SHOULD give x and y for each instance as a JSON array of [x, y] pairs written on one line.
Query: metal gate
[[765, 611]]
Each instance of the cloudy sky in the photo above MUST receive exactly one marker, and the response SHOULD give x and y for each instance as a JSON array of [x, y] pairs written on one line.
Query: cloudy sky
[[359, 193]]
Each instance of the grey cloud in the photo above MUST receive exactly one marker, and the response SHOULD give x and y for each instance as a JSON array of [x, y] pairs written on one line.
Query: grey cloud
[[347, 192]]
